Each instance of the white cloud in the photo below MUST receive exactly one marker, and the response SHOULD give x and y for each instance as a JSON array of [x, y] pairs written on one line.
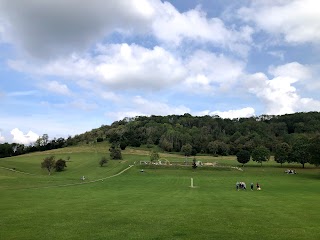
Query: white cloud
[[298, 21], [125, 67], [238, 113], [56, 87], [208, 72], [171, 26], [293, 70], [51, 29], [46, 29], [279, 94], [20, 137]]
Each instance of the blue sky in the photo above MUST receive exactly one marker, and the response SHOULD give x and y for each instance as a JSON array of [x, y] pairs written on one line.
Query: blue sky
[[66, 67]]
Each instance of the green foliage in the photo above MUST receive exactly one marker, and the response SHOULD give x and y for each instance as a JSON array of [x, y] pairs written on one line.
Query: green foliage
[[206, 134], [213, 147], [115, 153], [300, 152], [103, 161], [60, 165], [261, 154], [123, 145], [243, 157], [186, 149], [282, 152], [48, 163], [314, 149], [99, 139], [154, 156]]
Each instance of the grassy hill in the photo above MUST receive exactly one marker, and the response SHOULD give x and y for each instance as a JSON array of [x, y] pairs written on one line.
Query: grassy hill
[[157, 203]]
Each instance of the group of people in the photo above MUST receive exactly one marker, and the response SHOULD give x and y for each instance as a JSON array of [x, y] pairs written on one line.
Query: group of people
[[289, 171], [243, 186]]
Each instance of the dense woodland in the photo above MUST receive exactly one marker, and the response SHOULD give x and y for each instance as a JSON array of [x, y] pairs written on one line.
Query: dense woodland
[[193, 135]]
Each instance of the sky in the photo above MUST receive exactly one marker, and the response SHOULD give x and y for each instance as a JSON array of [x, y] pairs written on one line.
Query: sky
[[67, 67]]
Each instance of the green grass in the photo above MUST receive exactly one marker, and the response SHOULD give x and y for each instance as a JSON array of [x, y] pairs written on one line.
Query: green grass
[[156, 204]]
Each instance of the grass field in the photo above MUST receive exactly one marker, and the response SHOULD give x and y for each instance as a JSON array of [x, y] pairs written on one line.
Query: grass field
[[155, 204]]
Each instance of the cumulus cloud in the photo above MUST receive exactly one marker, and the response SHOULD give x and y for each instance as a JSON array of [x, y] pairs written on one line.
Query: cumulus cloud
[[20, 137], [46, 29], [298, 21], [133, 66], [170, 25], [50, 29], [279, 94], [293, 70], [209, 72], [124, 67]]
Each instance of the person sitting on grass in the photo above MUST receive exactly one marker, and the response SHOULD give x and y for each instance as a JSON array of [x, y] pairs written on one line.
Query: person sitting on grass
[[258, 187]]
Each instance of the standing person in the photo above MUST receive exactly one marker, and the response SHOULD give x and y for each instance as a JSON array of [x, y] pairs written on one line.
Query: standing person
[[251, 186], [237, 186]]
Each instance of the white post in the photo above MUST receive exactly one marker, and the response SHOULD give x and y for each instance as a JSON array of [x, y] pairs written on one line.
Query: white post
[[191, 182]]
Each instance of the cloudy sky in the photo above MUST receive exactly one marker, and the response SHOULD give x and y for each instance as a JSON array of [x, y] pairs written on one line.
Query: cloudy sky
[[69, 66]]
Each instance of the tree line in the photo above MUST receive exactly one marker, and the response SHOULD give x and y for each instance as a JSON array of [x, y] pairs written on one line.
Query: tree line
[[191, 135]]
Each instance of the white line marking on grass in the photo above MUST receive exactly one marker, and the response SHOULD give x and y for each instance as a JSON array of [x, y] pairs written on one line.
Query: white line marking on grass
[[80, 183], [13, 170]]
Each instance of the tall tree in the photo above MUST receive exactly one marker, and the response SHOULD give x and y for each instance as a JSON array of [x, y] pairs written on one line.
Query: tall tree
[[314, 149], [300, 151], [282, 152], [243, 157], [186, 149], [115, 152], [48, 163], [260, 154]]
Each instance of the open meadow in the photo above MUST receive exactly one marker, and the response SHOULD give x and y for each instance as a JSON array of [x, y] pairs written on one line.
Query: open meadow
[[157, 203]]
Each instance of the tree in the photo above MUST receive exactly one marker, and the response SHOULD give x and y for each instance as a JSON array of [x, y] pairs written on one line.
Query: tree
[[103, 161], [154, 156], [282, 152], [261, 154], [243, 157], [186, 149], [115, 153], [60, 165], [123, 145], [99, 139], [48, 163], [300, 151], [213, 147], [314, 149]]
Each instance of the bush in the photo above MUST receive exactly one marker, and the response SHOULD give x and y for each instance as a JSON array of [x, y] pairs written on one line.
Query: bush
[[103, 161], [60, 165], [99, 139], [115, 153], [123, 145]]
